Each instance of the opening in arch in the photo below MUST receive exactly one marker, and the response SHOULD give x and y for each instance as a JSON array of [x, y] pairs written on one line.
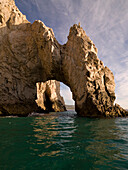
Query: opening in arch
[[67, 95], [51, 95]]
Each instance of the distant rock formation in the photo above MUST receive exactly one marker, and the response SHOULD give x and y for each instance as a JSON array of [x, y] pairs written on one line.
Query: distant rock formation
[[49, 98], [29, 53]]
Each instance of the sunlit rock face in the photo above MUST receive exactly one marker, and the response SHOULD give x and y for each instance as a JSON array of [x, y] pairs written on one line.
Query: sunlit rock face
[[30, 53], [20, 66], [48, 96]]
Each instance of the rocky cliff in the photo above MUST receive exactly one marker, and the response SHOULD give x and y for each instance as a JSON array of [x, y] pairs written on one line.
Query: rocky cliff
[[20, 66], [30, 53]]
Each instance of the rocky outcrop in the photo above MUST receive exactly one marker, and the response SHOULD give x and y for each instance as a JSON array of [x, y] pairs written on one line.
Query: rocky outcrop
[[20, 66], [49, 98], [29, 53]]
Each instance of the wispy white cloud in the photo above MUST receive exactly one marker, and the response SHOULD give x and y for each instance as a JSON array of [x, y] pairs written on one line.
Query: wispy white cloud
[[105, 22]]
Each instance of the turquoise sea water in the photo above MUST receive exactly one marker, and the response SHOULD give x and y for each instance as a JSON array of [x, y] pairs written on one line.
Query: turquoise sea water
[[63, 141]]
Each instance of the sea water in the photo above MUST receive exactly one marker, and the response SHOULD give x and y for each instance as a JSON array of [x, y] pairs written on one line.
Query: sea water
[[64, 141]]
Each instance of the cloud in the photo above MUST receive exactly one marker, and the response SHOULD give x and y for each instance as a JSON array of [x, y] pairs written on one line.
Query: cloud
[[105, 22]]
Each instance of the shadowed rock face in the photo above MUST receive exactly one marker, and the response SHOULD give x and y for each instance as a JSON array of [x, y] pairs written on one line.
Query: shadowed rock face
[[21, 68], [49, 98], [29, 53]]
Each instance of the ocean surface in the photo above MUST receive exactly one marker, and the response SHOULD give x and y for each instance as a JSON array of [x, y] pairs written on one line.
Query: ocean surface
[[63, 141]]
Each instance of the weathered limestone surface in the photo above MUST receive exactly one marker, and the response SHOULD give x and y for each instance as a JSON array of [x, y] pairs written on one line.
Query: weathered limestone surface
[[20, 65], [48, 96], [29, 53]]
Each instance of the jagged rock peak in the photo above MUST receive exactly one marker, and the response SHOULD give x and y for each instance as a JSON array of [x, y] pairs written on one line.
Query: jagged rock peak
[[10, 14], [77, 30]]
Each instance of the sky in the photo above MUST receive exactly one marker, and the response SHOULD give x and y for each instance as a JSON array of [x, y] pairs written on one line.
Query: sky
[[105, 22]]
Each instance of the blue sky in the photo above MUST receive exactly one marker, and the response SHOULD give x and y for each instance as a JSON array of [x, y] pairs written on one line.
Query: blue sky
[[105, 22]]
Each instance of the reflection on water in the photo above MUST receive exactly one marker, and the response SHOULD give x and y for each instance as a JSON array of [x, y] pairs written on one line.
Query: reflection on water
[[63, 141], [53, 130], [101, 140]]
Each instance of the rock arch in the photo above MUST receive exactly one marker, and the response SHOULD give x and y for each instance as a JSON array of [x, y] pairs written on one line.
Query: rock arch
[[76, 64], [30, 53]]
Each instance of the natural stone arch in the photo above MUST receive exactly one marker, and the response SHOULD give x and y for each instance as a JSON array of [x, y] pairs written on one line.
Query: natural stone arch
[[29, 53], [76, 64]]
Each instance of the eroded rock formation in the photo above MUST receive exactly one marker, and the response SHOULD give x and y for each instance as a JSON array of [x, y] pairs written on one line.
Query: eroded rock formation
[[20, 66], [48, 96], [29, 53]]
